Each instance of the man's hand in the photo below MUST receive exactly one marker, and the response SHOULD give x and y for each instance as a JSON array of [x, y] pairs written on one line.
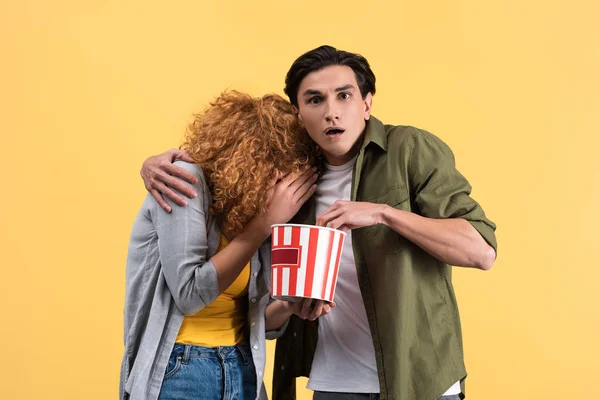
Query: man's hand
[[160, 176], [346, 215]]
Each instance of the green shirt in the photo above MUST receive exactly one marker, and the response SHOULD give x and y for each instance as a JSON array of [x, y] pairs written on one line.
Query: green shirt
[[408, 293]]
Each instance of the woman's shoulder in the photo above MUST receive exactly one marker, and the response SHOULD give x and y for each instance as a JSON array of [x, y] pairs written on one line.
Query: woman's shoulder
[[193, 169], [189, 167]]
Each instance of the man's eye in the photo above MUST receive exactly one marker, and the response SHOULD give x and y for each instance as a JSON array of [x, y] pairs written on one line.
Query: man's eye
[[314, 100], [344, 95]]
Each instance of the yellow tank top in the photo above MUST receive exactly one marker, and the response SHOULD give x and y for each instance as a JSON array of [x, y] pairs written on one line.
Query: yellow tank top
[[222, 322]]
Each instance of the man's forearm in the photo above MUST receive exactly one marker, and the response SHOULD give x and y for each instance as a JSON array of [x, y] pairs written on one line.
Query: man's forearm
[[453, 241]]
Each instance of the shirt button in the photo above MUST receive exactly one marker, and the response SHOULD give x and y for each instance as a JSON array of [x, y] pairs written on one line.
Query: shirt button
[[259, 373], [253, 300], [253, 324], [255, 274], [294, 334], [255, 347], [282, 367]]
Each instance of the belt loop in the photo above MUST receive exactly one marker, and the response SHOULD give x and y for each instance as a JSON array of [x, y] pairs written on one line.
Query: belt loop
[[245, 357], [186, 354]]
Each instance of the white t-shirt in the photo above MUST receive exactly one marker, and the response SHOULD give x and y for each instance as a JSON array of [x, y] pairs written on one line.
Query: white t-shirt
[[344, 360]]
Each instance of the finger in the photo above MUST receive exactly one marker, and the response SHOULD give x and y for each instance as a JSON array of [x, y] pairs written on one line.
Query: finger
[[179, 172], [307, 178], [274, 178], [339, 223], [321, 222], [176, 185], [291, 177], [345, 227], [310, 174], [282, 176], [317, 310], [183, 155], [331, 212], [166, 191], [329, 215], [305, 191], [302, 184], [311, 190], [170, 154], [270, 190], [296, 306], [159, 199], [306, 308]]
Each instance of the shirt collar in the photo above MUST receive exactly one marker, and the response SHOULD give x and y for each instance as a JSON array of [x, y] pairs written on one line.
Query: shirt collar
[[375, 133]]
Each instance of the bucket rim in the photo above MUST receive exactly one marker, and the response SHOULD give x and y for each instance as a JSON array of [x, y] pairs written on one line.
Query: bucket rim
[[310, 226]]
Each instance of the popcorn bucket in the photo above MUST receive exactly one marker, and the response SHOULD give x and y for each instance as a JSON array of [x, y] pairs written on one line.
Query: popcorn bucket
[[304, 261]]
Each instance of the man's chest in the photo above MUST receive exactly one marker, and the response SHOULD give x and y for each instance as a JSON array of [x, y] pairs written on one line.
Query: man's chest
[[331, 187]]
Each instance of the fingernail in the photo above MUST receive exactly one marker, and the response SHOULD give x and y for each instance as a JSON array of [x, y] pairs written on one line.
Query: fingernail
[[168, 209], [314, 169], [184, 203]]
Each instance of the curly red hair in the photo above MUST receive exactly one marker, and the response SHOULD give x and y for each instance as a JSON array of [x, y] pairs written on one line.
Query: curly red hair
[[240, 141]]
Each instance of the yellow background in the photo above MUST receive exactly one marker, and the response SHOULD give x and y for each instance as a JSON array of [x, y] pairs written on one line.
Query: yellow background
[[89, 89]]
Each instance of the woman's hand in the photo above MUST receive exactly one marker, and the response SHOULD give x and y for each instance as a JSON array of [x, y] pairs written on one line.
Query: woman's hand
[[288, 193], [311, 309], [280, 311]]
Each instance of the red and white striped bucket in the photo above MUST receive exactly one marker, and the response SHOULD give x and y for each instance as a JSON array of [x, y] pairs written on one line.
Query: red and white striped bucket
[[304, 261]]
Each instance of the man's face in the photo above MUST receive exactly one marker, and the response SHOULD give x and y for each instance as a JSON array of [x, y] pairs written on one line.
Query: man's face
[[333, 111]]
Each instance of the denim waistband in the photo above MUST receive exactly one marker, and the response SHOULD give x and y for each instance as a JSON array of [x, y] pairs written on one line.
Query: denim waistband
[[186, 351]]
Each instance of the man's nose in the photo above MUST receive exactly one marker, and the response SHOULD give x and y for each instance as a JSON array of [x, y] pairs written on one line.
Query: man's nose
[[332, 112]]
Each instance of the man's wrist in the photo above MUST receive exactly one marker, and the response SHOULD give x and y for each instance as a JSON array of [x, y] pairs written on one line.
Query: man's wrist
[[386, 213]]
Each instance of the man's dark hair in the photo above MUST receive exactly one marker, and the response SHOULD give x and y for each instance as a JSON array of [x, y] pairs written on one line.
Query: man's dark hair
[[326, 56]]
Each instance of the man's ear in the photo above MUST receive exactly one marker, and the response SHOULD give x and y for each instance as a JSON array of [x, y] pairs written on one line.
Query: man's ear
[[297, 113], [368, 100]]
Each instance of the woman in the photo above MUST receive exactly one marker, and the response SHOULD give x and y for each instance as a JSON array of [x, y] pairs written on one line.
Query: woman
[[198, 277]]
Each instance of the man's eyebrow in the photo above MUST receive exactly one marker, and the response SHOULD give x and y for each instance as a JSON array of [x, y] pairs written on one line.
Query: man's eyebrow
[[345, 87], [311, 92]]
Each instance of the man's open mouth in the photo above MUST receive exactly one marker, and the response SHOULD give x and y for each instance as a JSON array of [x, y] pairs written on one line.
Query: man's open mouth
[[334, 131]]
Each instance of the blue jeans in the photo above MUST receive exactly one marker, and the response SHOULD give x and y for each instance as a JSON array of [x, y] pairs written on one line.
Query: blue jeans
[[196, 372]]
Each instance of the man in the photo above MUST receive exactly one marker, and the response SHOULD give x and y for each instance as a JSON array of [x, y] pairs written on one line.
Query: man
[[395, 332]]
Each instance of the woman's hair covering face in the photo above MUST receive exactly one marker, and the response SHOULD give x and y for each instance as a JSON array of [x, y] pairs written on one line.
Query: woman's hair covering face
[[240, 141]]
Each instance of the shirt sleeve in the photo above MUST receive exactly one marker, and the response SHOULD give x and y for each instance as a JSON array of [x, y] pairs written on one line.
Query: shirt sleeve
[[183, 246], [265, 251], [439, 190]]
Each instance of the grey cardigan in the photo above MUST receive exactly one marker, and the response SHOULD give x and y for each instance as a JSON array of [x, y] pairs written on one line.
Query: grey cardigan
[[169, 275]]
